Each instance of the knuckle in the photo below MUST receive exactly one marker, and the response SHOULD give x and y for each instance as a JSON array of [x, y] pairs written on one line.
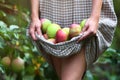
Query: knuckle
[[92, 31], [86, 24], [37, 26], [30, 31]]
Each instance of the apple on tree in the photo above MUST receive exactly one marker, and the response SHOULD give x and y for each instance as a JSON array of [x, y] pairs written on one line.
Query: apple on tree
[[18, 64], [6, 61]]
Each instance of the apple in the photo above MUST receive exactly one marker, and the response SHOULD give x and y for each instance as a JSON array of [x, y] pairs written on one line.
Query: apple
[[82, 23], [52, 40], [45, 36], [52, 29], [62, 35], [66, 29], [45, 23], [6, 61], [18, 64], [75, 30]]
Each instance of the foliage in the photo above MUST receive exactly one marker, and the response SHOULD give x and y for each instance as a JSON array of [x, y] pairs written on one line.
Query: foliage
[[107, 67], [14, 19], [15, 43]]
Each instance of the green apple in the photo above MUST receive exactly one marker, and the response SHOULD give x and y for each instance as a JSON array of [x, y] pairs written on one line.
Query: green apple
[[5, 61], [82, 24], [18, 64], [45, 23], [67, 30], [52, 29]]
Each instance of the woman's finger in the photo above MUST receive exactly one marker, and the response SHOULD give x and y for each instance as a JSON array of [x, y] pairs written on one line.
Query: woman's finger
[[85, 28], [38, 29], [86, 34], [32, 33]]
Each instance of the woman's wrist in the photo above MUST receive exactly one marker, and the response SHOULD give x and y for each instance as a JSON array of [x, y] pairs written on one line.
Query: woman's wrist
[[34, 17], [95, 17]]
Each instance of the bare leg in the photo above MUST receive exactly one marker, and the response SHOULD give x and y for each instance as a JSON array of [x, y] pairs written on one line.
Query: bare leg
[[73, 67], [70, 68], [57, 65]]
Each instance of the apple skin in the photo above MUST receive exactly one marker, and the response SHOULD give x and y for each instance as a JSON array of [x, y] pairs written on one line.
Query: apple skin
[[66, 29], [62, 35], [45, 36], [45, 23], [52, 29], [82, 23], [18, 64], [75, 30], [6, 61], [52, 40]]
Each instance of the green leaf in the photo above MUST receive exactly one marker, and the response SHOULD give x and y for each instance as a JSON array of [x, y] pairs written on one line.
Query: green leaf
[[1, 42], [1, 70], [16, 36], [2, 14], [89, 75], [2, 25], [111, 50], [12, 27]]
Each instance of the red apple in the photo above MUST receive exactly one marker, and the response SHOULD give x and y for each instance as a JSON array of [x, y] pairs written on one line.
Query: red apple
[[52, 29], [45, 36], [75, 30], [62, 35], [52, 40], [45, 23]]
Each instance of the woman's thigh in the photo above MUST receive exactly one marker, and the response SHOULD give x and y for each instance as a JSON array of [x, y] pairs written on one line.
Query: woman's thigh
[[70, 67], [56, 64], [73, 67]]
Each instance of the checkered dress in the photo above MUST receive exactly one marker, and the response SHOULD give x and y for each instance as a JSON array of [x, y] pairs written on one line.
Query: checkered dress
[[66, 12]]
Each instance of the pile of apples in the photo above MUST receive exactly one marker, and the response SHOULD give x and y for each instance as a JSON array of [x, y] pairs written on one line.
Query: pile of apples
[[55, 34]]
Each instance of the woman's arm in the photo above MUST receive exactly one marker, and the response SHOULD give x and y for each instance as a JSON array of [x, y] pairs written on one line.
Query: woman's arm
[[35, 24], [96, 9], [34, 9], [91, 24]]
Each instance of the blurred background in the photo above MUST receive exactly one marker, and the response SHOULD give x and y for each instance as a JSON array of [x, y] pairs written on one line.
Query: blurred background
[[20, 60]]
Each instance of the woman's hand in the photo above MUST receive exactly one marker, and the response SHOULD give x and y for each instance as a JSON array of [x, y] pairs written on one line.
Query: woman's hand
[[91, 25], [35, 27], [89, 29]]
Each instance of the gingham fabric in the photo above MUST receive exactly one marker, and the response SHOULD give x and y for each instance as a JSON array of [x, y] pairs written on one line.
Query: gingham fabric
[[66, 12], [61, 49]]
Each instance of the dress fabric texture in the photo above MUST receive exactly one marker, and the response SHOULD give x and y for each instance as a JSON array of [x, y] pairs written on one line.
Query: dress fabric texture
[[66, 12]]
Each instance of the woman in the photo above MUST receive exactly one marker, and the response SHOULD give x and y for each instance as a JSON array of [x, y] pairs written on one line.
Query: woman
[[98, 31]]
